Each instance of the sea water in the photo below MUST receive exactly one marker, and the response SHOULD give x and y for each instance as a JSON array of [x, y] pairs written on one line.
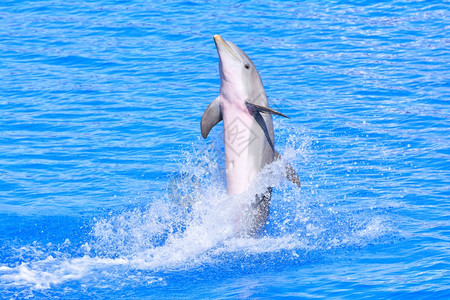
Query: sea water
[[107, 189]]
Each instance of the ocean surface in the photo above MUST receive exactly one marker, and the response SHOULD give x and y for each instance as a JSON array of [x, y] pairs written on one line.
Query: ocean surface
[[107, 189]]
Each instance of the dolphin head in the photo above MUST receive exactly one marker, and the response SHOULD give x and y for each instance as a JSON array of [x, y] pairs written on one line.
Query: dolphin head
[[236, 68]]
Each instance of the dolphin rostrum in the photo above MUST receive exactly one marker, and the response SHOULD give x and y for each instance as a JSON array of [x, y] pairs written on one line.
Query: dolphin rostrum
[[248, 127]]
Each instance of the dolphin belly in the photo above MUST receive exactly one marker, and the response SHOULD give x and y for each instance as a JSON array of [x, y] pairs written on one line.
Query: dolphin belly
[[247, 149]]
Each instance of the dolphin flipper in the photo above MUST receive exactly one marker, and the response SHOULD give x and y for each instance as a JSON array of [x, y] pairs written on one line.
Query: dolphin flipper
[[211, 117], [291, 175], [264, 109]]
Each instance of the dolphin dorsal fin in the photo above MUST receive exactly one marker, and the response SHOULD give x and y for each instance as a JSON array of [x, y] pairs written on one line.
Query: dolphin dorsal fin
[[211, 117], [264, 109]]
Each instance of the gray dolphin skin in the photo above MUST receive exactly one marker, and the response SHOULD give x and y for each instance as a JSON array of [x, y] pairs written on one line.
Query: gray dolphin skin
[[248, 129]]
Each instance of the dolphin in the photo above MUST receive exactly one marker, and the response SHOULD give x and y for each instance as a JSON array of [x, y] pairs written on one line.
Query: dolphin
[[248, 128]]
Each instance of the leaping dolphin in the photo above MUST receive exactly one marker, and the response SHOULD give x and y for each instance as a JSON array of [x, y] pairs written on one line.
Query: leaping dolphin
[[248, 127]]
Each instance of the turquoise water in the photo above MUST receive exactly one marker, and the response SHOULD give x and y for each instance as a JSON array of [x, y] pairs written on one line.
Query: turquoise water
[[107, 189]]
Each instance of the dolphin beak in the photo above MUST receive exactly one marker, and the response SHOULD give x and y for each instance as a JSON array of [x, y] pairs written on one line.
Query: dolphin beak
[[221, 42], [218, 38]]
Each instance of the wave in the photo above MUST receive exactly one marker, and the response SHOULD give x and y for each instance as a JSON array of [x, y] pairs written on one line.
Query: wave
[[194, 224]]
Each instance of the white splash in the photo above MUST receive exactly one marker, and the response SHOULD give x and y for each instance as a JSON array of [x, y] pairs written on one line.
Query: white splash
[[196, 223]]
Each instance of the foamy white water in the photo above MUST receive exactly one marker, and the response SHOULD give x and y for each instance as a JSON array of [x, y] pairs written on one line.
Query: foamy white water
[[196, 223]]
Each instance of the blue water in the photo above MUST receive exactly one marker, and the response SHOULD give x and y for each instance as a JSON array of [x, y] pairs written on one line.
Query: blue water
[[108, 191]]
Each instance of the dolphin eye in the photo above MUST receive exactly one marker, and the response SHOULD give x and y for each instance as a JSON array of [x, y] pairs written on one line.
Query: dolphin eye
[[247, 66]]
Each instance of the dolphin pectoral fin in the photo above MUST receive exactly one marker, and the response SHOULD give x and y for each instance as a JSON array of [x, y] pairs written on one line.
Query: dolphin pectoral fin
[[291, 174], [211, 117], [264, 109]]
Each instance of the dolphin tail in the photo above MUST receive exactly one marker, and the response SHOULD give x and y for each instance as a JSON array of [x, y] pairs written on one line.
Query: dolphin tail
[[291, 175], [260, 212], [264, 109], [211, 117]]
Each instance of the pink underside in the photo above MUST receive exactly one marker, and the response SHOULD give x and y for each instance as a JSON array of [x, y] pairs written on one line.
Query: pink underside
[[239, 168]]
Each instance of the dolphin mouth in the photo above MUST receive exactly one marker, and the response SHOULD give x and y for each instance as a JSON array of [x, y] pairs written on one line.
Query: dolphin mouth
[[220, 41]]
